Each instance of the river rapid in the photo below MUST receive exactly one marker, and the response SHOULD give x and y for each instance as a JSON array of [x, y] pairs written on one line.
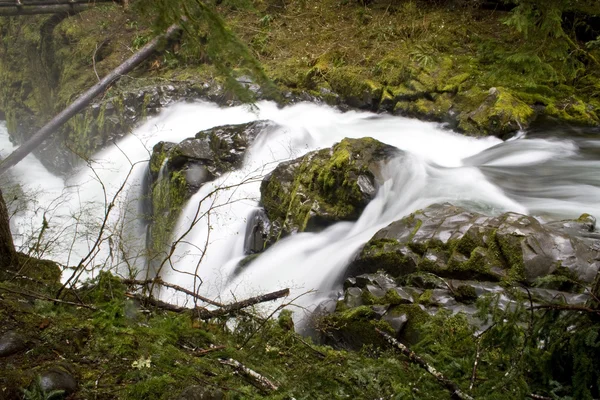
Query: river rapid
[[552, 173]]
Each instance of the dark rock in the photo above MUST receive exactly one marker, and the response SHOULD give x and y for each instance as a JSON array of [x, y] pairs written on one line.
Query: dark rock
[[57, 378], [499, 114], [450, 242], [257, 230], [353, 297], [324, 187], [397, 322], [178, 171], [197, 392], [12, 342]]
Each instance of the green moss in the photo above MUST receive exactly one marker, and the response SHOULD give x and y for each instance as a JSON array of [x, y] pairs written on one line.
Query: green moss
[[465, 294], [500, 113], [353, 87], [323, 183], [168, 197]]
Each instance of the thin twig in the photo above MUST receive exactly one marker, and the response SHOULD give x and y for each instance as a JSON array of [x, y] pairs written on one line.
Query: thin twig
[[415, 359]]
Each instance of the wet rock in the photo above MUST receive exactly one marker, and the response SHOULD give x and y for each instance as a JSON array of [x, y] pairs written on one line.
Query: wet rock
[[197, 392], [178, 171], [257, 231], [12, 342], [397, 322], [210, 153], [57, 378], [451, 242], [325, 186], [353, 297]]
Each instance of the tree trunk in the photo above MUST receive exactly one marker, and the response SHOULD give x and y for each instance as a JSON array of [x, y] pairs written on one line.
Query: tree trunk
[[8, 255]]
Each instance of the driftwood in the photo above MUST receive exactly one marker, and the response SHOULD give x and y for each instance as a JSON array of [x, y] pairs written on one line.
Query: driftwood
[[455, 391], [82, 101], [228, 309], [257, 379]]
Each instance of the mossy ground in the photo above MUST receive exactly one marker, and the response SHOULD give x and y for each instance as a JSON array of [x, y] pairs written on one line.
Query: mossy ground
[[124, 350], [418, 58]]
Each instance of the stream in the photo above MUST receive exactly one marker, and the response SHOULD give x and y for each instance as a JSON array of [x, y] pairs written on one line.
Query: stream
[[551, 173]]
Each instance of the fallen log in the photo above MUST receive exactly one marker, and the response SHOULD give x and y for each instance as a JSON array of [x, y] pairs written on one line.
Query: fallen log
[[228, 309], [46, 9], [35, 3], [82, 101], [452, 387], [257, 379]]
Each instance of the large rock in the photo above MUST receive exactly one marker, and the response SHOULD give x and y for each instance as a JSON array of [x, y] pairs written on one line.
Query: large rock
[[324, 186], [449, 241], [499, 114], [178, 171]]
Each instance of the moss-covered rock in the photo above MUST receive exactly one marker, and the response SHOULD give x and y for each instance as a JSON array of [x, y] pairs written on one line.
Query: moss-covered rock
[[499, 114], [324, 186], [177, 171], [450, 242]]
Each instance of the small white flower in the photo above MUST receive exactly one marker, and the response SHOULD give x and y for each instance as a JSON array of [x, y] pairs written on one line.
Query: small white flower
[[141, 363]]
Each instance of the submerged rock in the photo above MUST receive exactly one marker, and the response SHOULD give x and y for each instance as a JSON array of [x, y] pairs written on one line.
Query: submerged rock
[[451, 242], [324, 186]]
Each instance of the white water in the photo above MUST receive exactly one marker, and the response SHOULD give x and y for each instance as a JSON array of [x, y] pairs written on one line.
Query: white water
[[550, 178]]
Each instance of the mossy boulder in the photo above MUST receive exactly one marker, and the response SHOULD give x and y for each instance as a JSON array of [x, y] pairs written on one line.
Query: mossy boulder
[[499, 114], [354, 88], [450, 242], [178, 171], [324, 186]]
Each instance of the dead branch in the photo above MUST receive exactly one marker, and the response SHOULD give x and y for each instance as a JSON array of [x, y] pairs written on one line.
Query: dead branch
[[156, 303], [257, 379], [415, 359], [538, 397], [200, 353], [159, 281], [228, 309]]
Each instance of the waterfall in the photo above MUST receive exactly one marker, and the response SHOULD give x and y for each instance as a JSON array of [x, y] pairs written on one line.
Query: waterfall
[[551, 178]]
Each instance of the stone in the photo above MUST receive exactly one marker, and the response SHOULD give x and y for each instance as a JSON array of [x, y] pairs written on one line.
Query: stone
[[257, 231], [322, 187], [12, 342], [451, 242], [57, 378]]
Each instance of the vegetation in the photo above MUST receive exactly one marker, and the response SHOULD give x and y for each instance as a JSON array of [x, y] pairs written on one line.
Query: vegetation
[[495, 71]]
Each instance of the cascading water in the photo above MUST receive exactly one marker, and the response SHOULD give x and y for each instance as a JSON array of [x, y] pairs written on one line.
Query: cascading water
[[554, 178]]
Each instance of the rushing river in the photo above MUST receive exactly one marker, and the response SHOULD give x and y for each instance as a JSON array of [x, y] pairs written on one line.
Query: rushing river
[[551, 174]]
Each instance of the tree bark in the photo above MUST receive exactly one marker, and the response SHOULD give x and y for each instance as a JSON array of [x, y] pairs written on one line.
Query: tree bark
[[86, 98], [8, 255]]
